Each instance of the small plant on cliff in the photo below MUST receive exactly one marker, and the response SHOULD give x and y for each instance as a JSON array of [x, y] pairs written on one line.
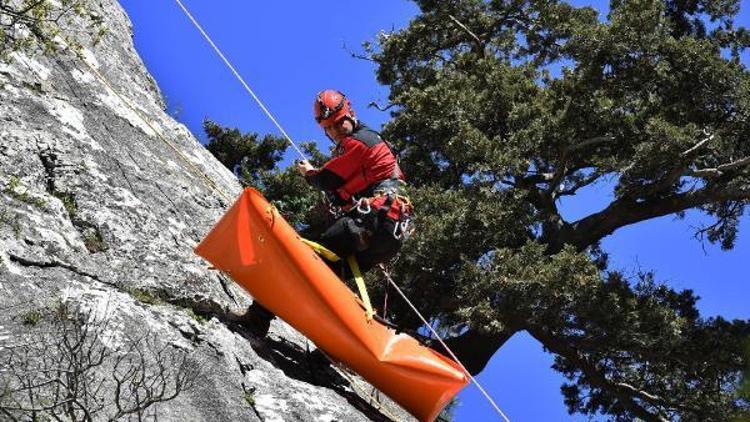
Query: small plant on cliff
[[33, 25], [145, 296], [21, 193], [69, 202], [31, 317]]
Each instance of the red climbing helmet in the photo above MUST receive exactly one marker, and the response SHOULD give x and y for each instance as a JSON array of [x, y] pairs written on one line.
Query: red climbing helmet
[[330, 106]]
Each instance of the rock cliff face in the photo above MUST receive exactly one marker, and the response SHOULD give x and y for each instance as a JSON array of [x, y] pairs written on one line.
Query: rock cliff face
[[97, 212]]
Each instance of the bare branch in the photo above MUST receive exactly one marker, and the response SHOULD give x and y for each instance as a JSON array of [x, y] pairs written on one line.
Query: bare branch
[[697, 146], [626, 211], [589, 142], [59, 375], [567, 191], [373, 104], [468, 31], [719, 170], [354, 55]]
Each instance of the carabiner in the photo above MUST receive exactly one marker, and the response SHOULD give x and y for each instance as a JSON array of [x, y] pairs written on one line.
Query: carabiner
[[360, 209]]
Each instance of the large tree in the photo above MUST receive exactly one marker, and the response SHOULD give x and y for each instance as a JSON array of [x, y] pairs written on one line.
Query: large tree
[[502, 108], [653, 100]]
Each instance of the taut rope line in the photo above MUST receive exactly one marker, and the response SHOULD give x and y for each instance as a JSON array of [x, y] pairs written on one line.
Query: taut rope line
[[440, 339], [239, 77]]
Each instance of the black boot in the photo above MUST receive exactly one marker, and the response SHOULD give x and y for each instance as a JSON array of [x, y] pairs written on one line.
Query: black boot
[[258, 319]]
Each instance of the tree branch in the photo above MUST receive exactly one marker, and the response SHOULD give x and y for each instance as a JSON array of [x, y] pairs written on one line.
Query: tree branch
[[354, 55], [585, 181], [719, 170], [589, 142], [595, 376], [479, 42], [474, 349], [373, 104], [533, 179], [697, 146], [626, 211]]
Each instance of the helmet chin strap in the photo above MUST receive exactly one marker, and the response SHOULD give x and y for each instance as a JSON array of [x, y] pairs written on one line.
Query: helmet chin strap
[[355, 122], [330, 138]]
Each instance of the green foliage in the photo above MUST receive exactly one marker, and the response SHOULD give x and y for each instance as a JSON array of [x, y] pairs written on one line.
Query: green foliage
[[744, 390], [15, 190], [492, 140], [197, 317], [39, 25], [31, 317], [255, 161], [250, 398], [448, 412], [245, 155], [145, 296], [69, 202]]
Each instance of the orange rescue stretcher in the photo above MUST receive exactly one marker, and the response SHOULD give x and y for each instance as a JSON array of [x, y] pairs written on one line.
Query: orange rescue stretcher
[[262, 252]]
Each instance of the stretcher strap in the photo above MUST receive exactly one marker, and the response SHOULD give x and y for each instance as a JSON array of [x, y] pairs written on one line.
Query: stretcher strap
[[352, 261], [322, 250], [361, 286]]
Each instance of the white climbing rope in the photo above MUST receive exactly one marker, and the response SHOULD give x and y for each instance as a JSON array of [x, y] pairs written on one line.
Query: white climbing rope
[[440, 339], [239, 78]]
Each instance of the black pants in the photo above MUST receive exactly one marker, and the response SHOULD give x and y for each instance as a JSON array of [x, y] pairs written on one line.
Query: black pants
[[368, 237]]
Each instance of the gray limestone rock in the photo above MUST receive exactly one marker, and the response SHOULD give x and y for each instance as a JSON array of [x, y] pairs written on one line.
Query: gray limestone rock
[[97, 210]]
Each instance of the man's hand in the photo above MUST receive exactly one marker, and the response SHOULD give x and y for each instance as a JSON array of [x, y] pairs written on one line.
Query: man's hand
[[304, 167]]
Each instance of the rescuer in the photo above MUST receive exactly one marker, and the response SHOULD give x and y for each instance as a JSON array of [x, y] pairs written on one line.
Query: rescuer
[[363, 184]]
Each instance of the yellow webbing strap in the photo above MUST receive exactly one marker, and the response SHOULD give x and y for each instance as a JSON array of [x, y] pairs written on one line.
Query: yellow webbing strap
[[322, 250], [352, 261], [361, 286]]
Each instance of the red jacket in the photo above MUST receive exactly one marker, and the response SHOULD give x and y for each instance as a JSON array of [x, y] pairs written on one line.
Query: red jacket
[[361, 161]]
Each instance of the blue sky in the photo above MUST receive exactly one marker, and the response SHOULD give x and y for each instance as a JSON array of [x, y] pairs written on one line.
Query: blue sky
[[288, 51]]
